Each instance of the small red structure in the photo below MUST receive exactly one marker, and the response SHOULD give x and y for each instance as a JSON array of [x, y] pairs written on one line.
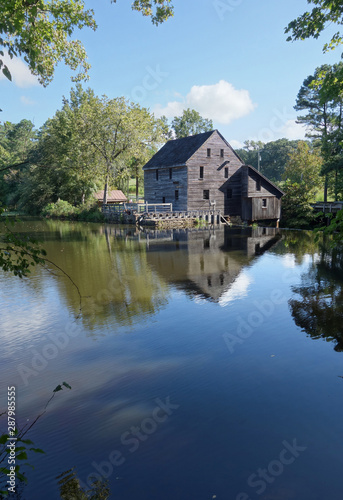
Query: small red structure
[[113, 197]]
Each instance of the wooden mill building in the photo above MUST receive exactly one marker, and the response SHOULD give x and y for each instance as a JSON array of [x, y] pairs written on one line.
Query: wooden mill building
[[203, 170]]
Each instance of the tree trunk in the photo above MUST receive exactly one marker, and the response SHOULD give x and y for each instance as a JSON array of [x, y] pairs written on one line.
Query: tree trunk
[[105, 191], [137, 183], [326, 189]]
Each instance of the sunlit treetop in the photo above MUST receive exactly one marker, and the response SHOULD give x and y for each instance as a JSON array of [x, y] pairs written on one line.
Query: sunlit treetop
[[41, 32], [158, 10]]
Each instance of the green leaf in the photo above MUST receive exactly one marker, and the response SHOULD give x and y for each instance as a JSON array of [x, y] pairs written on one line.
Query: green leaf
[[7, 73], [37, 450], [3, 438], [22, 456], [66, 385], [58, 388]]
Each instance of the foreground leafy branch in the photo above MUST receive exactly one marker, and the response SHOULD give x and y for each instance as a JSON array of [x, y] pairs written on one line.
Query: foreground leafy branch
[[312, 24], [41, 32], [22, 446]]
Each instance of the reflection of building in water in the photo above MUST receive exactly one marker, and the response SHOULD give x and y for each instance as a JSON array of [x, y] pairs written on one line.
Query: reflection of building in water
[[206, 262]]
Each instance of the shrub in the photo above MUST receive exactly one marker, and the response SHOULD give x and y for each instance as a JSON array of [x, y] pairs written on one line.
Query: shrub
[[59, 209], [62, 209]]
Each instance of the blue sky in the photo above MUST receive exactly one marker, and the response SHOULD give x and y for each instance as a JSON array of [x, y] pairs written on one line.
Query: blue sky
[[228, 59]]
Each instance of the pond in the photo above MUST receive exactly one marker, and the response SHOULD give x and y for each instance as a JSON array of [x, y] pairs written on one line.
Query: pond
[[203, 363]]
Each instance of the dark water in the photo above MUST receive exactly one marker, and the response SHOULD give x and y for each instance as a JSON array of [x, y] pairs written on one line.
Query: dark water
[[204, 364]]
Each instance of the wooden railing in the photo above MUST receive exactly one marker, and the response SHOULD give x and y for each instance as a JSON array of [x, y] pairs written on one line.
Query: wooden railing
[[329, 206], [139, 208]]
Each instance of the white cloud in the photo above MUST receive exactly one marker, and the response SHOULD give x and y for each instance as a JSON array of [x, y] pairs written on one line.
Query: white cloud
[[172, 109], [236, 144], [21, 75], [220, 102], [293, 131], [27, 101]]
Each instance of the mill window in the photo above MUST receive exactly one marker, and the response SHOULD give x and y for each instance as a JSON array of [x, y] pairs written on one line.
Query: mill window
[[208, 152], [206, 194], [201, 173], [176, 194], [226, 172]]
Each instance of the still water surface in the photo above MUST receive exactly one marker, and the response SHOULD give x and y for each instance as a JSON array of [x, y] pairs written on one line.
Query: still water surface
[[203, 364]]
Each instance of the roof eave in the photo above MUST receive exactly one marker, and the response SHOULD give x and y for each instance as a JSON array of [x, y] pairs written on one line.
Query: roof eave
[[265, 178]]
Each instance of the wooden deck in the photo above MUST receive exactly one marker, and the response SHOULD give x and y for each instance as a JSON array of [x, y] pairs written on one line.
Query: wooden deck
[[328, 207], [160, 215]]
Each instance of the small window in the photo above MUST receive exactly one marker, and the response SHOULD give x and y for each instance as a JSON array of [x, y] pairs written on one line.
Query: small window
[[229, 193], [206, 194], [222, 153], [226, 172], [170, 173], [208, 152], [264, 202], [258, 185], [176, 194], [157, 175], [201, 173], [163, 199]]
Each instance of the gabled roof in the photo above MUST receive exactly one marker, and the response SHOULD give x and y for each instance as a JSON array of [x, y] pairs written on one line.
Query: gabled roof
[[178, 151], [112, 196], [253, 169]]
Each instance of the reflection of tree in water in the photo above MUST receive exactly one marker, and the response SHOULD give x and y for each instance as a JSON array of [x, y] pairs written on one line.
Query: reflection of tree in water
[[297, 243], [319, 311], [113, 275]]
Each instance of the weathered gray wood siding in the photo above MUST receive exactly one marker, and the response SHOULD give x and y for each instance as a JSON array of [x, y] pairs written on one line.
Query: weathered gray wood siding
[[272, 210], [253, 205], [155, 191], [214, 177]]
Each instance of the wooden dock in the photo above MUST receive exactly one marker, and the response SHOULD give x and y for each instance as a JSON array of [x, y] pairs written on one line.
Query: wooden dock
[[160, 215], [331, 207]]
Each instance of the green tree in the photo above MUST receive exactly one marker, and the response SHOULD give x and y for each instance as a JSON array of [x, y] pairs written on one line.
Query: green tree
[[190, 123], [272, 156], [323, 113], [296, 208], [16, 142], [158, 10], [116, 128], [312, 24], [304, 165], [41, 32]]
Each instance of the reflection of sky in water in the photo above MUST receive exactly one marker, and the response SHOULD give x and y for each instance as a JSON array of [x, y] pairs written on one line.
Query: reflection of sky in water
[[238, 290], [234, 409]]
